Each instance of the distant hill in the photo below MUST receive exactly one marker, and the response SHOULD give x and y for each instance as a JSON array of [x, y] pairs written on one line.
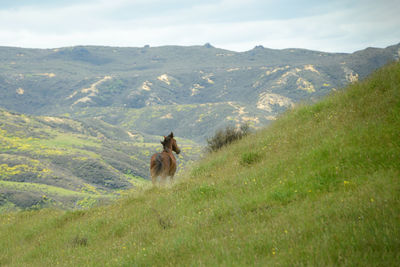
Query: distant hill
[[191, 90], [318, 187], [51, 161]]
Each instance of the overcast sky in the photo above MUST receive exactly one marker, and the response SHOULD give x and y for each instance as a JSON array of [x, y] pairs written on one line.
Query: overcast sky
[[239, 25]]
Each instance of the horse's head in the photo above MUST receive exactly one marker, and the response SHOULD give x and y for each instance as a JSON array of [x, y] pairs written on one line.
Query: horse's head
[[170, 142]]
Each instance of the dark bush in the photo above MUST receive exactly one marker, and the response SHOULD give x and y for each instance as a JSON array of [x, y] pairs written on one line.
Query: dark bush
[[226, 136], [249, 158]]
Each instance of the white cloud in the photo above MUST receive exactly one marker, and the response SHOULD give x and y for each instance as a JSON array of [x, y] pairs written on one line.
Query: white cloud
[[121, 23]]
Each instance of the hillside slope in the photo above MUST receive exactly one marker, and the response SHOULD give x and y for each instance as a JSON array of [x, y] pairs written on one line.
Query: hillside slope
[[320, 186], [52, 161]]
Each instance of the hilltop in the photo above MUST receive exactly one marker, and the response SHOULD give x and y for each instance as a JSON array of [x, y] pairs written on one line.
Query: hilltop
[[319, 186]]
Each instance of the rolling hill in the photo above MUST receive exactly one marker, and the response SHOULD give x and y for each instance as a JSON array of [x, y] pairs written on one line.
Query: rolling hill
[[319, 186], [52, 161]]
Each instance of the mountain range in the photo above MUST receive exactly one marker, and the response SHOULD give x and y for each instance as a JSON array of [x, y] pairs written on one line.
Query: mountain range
[[191, 90]]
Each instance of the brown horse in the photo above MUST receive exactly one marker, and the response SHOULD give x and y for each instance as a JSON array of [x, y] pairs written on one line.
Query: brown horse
[[164, 164]]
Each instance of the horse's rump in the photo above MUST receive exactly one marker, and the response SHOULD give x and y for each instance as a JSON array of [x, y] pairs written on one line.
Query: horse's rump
[[156, 164]]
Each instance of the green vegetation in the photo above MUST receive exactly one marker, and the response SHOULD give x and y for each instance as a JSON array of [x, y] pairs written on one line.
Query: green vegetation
[[24, 195], [224, 137], [320, 186]]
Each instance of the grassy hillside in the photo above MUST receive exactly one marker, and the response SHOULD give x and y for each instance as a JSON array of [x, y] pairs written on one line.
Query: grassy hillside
[[51, 161], [320, 186]]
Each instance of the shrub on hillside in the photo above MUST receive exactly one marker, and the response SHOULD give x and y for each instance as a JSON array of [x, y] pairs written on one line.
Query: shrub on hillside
[[223, 137], [249, 158]]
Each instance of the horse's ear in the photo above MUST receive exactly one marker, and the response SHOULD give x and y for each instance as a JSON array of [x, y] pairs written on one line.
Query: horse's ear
[[171, 135]]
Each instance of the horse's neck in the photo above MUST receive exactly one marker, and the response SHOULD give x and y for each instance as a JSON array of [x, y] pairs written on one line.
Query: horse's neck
[[170, 154], [168, 149]]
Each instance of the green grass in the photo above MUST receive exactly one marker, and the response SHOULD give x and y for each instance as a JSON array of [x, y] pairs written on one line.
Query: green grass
[[52, 196], [41, 188], [319, 187], [68, 141]]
